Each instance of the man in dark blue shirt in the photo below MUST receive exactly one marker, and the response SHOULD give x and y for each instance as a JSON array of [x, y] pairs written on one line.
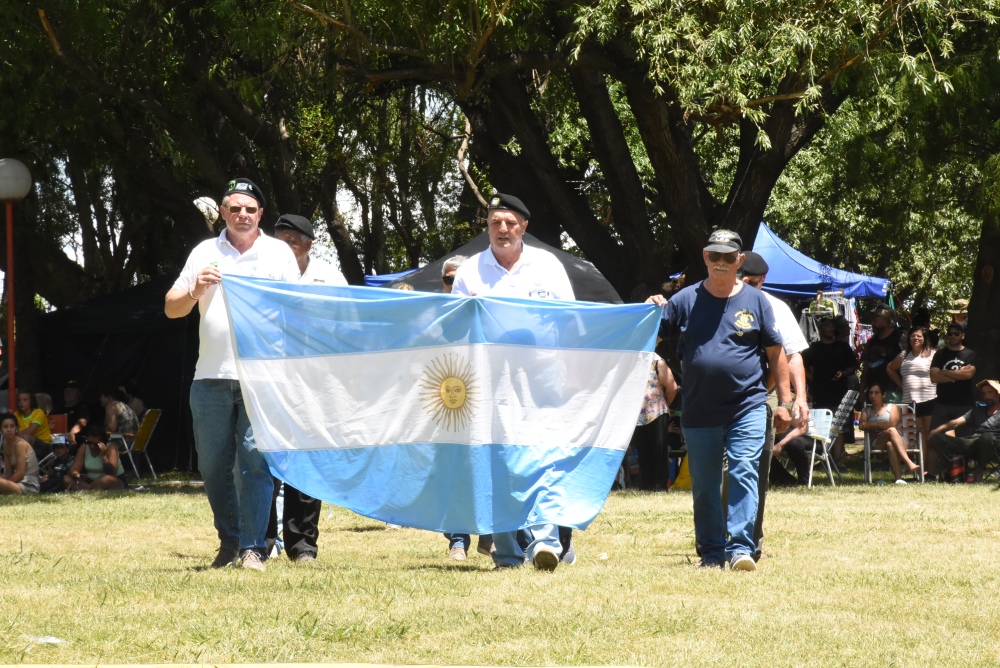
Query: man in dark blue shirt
[[728, 346]]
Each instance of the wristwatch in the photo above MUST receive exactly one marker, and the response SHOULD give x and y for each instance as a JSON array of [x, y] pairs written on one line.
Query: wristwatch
[[788, 405]]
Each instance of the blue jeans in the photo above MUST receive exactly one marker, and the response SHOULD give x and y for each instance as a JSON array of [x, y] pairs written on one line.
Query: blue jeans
[[223, 437], [508, 551], [741, 441], [462, 540]]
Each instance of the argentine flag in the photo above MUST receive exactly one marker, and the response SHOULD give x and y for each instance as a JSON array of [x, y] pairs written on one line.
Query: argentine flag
[[441, 412]]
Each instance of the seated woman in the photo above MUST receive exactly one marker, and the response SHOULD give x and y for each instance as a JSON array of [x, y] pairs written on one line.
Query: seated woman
[[128, 391], [20, 464], [881, 420], [119, 418], [33, 423], [96, 465]]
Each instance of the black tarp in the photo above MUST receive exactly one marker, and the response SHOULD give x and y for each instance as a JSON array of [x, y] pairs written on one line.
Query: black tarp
[[110, 339], [588, 283]]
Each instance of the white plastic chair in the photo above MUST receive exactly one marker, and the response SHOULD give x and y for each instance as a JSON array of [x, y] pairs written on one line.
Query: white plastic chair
[[822, 435]]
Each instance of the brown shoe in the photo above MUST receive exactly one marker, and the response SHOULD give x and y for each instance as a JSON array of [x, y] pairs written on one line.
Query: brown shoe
[[485, 546], [250, 559]]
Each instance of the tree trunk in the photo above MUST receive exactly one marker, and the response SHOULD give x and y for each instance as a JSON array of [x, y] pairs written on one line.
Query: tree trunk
[[984, 307]]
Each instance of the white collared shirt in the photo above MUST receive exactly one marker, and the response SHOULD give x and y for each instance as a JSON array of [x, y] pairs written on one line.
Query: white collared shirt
[[538, 274], [266, 258], [320, 271], [792, 339]]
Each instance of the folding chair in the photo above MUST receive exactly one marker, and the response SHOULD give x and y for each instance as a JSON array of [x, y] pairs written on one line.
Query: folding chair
[[841, 417], [910, 433], [138, 442], [822, 435]]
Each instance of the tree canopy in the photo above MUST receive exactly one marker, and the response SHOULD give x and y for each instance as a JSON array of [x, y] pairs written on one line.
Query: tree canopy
[[632, 128]]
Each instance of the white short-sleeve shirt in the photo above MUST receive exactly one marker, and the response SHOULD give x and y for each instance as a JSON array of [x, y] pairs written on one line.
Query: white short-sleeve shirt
[[267, 258], [537, 275], [793, 341], [321, 271]]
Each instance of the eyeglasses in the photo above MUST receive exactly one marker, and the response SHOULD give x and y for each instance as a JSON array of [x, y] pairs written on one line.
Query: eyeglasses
[[728, 258], [236, 209], [448, 280]]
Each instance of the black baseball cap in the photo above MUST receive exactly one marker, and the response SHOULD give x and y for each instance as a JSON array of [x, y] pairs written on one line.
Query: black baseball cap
[[291, 221], [724, 241], [754, 265], [245, 187], [509, 203]]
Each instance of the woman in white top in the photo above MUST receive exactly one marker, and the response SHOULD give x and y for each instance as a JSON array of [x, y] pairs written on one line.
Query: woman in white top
[[912, 371], [881, 421]]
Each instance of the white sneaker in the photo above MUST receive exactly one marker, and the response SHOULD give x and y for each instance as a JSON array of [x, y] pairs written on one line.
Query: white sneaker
[[743, 562], [900, 482]]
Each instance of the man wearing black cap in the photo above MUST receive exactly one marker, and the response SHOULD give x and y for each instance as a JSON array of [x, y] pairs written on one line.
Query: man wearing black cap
[[881, 349], [510, 268], [754, 273], [725, 329], [223, 437], [297, 232], [300, 512]]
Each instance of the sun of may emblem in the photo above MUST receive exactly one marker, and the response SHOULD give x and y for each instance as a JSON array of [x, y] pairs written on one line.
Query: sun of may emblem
[[744, 321], [448, 392]]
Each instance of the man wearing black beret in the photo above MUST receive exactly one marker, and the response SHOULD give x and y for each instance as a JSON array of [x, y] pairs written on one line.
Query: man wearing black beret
[[510, 268], [300, 512], [237, 479]]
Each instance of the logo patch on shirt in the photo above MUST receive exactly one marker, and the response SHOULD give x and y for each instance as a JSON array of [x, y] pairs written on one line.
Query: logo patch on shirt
[[744, 321]]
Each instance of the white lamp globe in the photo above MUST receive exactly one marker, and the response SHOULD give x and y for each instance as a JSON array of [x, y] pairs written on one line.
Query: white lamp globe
[[15, 180]]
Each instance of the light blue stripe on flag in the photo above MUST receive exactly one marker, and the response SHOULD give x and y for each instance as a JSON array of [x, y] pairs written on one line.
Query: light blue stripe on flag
[[439, 412], [277, 319]]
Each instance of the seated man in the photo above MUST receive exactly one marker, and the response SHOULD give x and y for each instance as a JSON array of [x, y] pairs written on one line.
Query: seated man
[[797, 446], [77, 413], [983, 421]]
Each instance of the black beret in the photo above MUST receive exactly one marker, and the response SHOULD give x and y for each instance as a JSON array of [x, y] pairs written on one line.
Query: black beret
[[290, 221], [245, 187], [510, 203], [754, 265]]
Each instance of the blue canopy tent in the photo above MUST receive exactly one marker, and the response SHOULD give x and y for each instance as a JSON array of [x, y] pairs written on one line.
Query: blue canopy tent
[[792, 274]]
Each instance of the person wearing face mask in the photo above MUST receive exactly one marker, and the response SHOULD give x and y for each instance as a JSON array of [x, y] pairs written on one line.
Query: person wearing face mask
[[727, 331], [983, 421]]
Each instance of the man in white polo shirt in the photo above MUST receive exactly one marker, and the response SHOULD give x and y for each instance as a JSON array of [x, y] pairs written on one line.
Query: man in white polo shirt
[[510, 268], [223, 436]]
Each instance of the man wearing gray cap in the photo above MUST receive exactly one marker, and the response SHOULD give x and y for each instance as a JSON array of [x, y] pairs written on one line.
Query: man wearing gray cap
[[510, 268], [754, 273], [237, 479], [726, 330]]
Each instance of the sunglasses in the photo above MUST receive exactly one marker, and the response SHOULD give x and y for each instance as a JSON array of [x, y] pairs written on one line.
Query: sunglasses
[[728, 258], [954, 333], [236, 209], [448, 280]]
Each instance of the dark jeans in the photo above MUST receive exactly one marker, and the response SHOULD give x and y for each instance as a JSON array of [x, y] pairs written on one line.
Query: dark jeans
[[798, 450], [300, 522], [763, 469]]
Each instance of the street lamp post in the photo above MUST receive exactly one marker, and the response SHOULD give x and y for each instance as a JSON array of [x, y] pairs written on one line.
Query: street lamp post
[[15, 184]]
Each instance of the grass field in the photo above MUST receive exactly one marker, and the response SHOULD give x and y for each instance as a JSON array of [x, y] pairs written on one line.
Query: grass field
[[857, 575]]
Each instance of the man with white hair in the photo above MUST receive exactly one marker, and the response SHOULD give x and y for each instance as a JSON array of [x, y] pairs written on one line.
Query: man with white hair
[[237, 479]]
